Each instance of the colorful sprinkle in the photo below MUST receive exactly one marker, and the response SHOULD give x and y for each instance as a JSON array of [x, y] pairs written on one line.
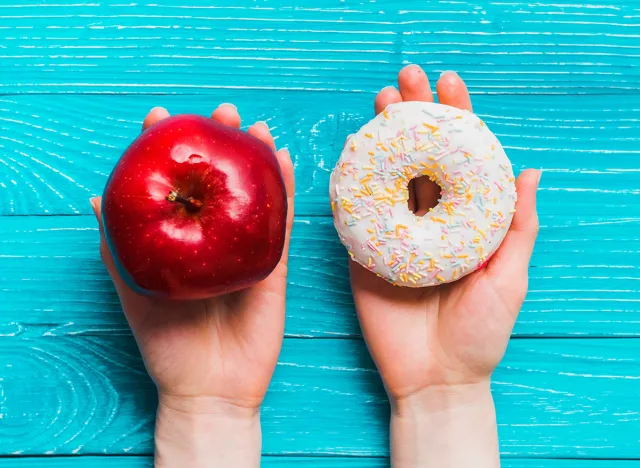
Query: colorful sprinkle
[[477, 199]]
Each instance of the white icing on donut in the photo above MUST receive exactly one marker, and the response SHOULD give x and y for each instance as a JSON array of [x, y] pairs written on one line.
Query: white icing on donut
[[369, 194]]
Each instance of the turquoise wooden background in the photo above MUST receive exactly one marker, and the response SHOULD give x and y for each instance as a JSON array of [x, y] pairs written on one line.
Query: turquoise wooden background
[[558, 83]]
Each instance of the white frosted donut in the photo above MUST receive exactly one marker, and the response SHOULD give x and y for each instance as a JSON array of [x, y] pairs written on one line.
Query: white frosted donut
[[369, 194]]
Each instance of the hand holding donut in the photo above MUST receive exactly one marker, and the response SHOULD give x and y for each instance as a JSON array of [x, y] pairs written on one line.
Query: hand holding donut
[[436, 347]]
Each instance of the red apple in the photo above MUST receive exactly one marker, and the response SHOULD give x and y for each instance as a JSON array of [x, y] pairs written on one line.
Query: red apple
[[194, 209]]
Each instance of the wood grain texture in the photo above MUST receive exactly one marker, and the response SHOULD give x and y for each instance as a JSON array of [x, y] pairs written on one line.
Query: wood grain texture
[[557, 82], [583, 280], [57, 151], [172, 46], [292, 462], [91, 395]]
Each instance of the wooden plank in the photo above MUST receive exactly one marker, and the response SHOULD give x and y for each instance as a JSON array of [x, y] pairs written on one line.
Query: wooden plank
[[583, 280], [91, 395], [57, 151], [172, 46], [293, 462]]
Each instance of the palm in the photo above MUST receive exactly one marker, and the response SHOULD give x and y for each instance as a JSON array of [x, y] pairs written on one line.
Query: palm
[[224, 347], [455, 333], [451, 334]]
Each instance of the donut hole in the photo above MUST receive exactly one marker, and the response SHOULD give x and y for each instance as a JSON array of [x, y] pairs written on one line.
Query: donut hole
[[424, 194]]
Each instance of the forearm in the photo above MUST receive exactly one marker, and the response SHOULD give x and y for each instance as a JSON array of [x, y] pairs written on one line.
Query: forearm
[[216, 436], [445, 427]]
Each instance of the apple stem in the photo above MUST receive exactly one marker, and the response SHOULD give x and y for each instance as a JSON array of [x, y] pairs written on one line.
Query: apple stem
[[193, 205]]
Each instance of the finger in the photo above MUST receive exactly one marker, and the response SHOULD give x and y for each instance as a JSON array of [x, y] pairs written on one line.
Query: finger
[[414, 84], [155, 115], [105, 253], [261, 130], [427, 195], [452, 91], [227, 114], [511, 261], [386, 96], [286, 167], [276, 282]]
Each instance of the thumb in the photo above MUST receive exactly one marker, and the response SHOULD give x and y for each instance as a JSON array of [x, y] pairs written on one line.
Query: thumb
[[96, 206], [510, 265], [105, 253], [134, 306]]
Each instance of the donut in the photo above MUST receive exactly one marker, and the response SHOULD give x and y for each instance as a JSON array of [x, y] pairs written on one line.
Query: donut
[[369, 194]]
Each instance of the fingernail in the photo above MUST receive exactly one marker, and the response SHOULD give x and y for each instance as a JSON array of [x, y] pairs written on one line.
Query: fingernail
[[93, 202], [539, 177], [228, 104], [448, 72], [262, 122], [159, 109]]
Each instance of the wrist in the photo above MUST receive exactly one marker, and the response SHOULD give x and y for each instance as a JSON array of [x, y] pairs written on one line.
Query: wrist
[[445, 426], [442, 399], [206, 432]]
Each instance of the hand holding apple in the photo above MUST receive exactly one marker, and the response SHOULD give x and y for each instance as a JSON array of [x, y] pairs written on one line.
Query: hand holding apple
[[195, 208], [211, 359]]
